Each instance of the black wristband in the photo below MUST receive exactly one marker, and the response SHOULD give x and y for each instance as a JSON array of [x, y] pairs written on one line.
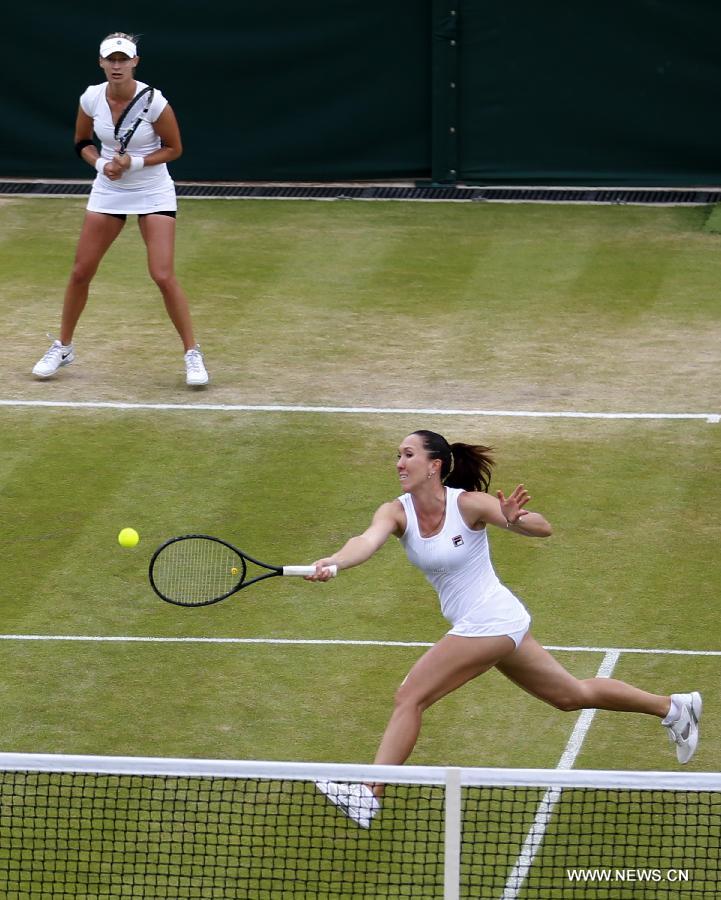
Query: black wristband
[[81, 145]]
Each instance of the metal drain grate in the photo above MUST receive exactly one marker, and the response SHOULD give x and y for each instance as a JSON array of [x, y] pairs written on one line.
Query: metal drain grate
[[355, 191]]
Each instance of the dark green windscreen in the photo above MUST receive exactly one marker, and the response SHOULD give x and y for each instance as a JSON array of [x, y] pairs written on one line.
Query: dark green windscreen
[[479, 91]]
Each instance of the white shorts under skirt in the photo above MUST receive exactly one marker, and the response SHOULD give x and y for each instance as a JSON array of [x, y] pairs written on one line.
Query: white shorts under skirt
[[514, 633]]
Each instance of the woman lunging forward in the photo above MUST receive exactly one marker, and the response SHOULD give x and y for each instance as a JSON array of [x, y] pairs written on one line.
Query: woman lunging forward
[[441, 520]]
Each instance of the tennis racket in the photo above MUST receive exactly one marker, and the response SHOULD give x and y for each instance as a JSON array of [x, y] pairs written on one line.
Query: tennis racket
[[197, 570], [131, 117]]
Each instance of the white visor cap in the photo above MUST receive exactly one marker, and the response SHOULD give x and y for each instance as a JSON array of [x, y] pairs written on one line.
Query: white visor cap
[[118, 45]]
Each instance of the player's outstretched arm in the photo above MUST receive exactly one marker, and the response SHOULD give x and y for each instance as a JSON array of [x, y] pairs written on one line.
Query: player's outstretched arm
[[505, 512], [386, 521]]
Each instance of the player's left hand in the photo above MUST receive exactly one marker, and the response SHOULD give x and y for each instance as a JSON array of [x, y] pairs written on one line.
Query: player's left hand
[[512, 506]]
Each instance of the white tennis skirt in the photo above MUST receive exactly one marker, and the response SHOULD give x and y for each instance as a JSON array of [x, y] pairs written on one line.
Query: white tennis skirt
[[146, 195], [502, 613]]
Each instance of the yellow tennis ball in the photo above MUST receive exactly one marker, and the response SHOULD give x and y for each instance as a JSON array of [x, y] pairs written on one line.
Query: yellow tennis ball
[[234, 571], [128, 537]]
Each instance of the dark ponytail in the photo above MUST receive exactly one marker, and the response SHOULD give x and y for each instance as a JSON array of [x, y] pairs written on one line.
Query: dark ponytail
[[465, 466]]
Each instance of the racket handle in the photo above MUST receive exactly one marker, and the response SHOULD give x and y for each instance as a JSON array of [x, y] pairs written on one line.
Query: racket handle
[[307, 570]]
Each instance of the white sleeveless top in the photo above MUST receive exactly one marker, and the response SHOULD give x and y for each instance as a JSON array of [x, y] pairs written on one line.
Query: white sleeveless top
[[457, 562], [148, 190]]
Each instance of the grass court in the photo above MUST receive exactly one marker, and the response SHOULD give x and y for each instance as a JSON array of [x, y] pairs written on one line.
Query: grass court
[[370, 307]]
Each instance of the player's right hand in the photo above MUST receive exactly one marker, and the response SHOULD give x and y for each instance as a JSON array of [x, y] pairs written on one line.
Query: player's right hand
[[114, 170], [322, 570]]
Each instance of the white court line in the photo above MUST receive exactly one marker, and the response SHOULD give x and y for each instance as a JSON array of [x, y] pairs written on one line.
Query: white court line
[[711, 418], [132, 639], [149, 639], [535, 836]]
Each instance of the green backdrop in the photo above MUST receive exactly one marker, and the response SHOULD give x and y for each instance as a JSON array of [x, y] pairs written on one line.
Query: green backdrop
[[480, 91]]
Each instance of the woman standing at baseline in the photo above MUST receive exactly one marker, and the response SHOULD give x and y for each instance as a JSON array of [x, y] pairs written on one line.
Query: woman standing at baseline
[[136, 182], [441, 520]]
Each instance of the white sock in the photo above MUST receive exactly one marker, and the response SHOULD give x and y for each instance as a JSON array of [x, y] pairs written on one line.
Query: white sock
[[673, 714]]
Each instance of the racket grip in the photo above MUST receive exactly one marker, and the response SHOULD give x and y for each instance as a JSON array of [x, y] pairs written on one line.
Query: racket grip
[[307, 570]]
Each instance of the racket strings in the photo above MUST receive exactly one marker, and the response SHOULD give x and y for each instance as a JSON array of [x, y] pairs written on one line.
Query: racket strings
[[195, 571]]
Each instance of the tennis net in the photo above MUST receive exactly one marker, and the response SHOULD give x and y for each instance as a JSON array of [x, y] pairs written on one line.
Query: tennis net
[[74, 826]]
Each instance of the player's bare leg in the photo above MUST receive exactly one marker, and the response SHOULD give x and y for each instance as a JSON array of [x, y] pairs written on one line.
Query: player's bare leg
[[97, 234], [450, 663], [534, 669], [159, 235]]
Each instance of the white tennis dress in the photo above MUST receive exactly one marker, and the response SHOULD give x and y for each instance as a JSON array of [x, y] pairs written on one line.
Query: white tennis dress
[[150, 189], [457, 562]]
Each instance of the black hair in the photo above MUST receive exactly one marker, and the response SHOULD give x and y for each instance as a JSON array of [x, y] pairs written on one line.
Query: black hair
[[465, 466]]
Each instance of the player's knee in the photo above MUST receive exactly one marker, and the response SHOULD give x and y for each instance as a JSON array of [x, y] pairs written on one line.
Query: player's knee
[[567, 703], [401, 695], [164, 279], [405, 696], [569, 699], [81, 275]]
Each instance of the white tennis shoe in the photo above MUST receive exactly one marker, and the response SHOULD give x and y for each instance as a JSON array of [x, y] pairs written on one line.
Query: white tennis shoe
[[196, 374], [684, 731], [57, 356], [357, 801]]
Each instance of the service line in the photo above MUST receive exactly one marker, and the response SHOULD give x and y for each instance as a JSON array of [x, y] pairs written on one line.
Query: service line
[[709, 417]]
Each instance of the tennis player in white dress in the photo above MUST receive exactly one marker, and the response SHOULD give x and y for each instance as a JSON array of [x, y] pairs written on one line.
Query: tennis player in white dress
[[442, 520], [128, 181]]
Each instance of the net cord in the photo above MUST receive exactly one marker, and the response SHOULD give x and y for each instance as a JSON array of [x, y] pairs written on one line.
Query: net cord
[[431, 775]]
